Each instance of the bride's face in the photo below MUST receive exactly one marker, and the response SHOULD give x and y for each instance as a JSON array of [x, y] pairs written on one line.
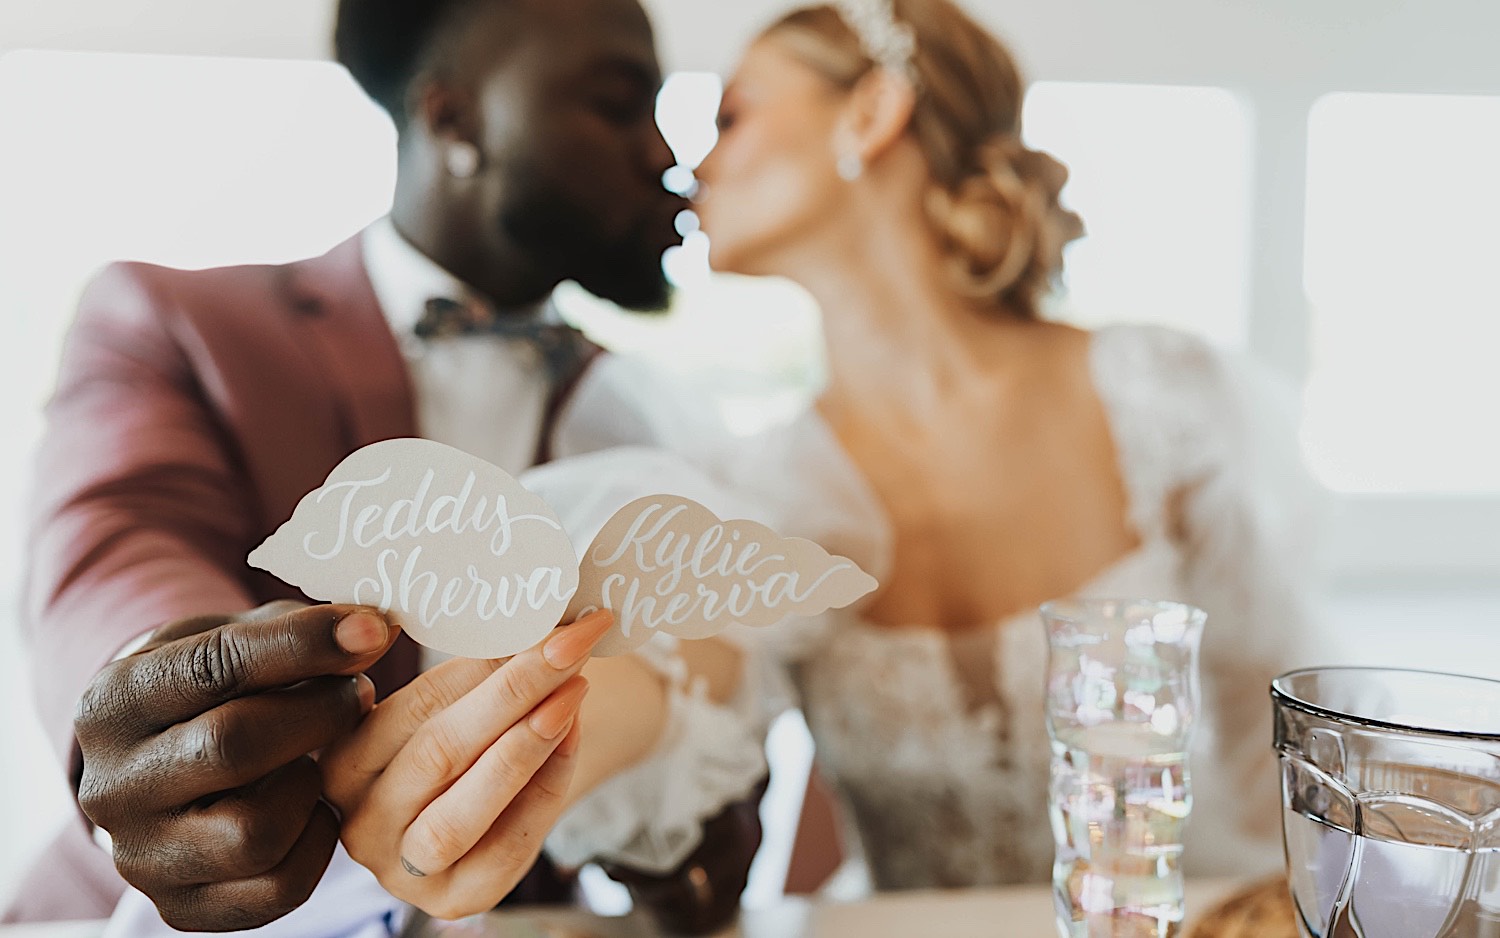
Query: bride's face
[[771, 182]]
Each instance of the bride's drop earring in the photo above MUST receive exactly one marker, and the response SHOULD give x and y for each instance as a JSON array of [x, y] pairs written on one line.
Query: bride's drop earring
[[851, 167], [463, 160]]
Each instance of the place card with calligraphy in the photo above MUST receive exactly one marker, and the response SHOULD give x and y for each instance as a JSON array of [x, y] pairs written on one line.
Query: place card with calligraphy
[[667, 564], [452, 548]]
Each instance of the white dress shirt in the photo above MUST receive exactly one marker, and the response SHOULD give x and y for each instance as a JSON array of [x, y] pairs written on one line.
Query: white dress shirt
[[486, 395]]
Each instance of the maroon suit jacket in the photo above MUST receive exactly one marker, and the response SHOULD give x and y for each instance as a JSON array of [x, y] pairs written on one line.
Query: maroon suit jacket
[[193, 411]]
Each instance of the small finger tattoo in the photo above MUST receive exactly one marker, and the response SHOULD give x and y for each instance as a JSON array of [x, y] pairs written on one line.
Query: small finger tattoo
[[412, 869]]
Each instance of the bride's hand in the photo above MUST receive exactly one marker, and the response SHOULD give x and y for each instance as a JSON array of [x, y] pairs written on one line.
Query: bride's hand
[[448, 788]]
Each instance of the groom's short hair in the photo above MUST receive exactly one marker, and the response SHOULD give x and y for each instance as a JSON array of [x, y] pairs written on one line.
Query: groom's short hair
[[385, 44]]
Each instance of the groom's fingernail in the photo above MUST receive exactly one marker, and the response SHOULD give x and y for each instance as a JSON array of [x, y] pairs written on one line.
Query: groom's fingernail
[[572, 643], [361, 633], [556, 715]]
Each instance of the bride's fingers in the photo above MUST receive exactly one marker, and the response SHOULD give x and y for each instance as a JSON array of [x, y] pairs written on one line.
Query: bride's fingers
[[510, 846], [449, 743], [351, 766], [449, 827]]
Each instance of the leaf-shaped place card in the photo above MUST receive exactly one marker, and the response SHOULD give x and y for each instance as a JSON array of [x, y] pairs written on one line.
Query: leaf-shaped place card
[[452, 548], [664, 563]]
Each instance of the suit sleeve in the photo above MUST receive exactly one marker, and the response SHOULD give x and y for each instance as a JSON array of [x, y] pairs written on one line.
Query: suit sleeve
[[140, 514]]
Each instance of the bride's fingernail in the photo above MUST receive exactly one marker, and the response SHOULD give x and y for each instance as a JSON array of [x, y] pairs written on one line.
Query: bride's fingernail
[[569, 745], [553, 717], [572, 643], [366, 690]]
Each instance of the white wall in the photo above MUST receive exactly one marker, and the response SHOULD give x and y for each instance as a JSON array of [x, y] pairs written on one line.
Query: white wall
[[266, 28], [1378, 44]]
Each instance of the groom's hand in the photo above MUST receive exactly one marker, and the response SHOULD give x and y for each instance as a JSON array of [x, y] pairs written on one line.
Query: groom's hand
[[197, 757]]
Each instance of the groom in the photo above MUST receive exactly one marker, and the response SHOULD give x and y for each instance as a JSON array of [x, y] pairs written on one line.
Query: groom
[[194, 409]]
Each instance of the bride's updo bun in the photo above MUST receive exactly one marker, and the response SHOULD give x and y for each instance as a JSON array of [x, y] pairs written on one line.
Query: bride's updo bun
[[994, 204]]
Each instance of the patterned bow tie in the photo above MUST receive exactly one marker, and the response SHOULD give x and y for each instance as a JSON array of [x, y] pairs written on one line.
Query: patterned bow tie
[[563, 348]]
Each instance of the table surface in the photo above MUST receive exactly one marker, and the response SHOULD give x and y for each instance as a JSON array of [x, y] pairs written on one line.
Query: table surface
[[1025, 912]]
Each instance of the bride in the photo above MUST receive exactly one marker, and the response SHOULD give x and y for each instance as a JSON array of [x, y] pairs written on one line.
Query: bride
[[975, 457], [980, 460]]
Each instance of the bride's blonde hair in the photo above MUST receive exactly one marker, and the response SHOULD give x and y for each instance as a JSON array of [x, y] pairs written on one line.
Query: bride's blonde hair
[[994, 203]]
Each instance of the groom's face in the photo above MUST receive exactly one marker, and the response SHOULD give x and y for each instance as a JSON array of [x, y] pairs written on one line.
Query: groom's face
[[568, 123]]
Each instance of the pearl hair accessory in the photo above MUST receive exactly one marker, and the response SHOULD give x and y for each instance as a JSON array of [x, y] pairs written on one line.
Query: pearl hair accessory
[[888, 42]]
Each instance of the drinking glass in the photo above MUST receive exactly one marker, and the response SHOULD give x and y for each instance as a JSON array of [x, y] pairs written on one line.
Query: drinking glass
[[1122, 694], [1390, 784]]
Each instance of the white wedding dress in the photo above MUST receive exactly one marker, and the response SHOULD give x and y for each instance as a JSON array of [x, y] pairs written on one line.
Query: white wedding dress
[[935, 740]]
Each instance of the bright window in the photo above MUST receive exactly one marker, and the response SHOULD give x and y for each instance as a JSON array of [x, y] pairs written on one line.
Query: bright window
[[1403, 274], [1162, 176], [188, 162]]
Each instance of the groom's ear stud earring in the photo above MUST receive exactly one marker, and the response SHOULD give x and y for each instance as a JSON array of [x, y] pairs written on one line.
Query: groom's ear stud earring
[[850, 167], [463, 160]]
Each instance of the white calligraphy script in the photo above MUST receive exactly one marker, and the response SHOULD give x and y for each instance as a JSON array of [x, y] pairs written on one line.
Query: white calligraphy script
[[451, 547], [669, 564]]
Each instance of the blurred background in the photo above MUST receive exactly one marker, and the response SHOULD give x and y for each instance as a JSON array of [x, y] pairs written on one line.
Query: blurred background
[[1313, 184]]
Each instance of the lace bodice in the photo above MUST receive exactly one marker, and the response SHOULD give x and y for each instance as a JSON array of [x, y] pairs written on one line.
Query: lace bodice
[[936, 740]]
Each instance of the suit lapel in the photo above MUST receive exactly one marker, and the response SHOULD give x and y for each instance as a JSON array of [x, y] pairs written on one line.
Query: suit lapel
[[335, 305], [351, 344]]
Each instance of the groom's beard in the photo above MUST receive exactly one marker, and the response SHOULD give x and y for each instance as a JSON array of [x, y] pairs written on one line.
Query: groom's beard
[[626, 270]]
